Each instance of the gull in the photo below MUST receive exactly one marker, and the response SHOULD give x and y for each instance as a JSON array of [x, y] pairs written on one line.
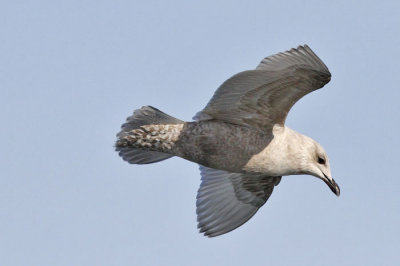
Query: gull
[[239, 139]]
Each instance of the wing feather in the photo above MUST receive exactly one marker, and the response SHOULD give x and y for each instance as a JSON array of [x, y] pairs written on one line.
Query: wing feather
[[263, 97], [227, 200]]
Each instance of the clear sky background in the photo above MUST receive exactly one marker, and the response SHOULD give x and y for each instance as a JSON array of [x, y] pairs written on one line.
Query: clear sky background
[[72, 71]]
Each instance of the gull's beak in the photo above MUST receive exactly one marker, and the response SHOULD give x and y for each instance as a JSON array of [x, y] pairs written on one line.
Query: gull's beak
[[332, 185]]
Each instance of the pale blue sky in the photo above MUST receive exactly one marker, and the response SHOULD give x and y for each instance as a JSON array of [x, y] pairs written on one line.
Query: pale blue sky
[[72, 71]]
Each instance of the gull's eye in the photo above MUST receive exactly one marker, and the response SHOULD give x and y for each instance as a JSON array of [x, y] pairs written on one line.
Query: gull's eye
[[321, 160]]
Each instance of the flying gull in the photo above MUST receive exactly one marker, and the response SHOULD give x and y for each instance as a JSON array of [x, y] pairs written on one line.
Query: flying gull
[[239, 139]]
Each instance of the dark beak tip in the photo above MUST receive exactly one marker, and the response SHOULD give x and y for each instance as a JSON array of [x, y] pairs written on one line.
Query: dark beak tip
[[337, 190], [333, 186]]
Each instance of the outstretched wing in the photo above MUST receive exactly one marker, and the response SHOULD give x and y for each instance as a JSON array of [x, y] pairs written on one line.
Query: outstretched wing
[[262, 97], [227, 200]]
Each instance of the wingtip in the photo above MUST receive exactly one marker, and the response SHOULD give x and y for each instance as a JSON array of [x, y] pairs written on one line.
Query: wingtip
[[304, 46]]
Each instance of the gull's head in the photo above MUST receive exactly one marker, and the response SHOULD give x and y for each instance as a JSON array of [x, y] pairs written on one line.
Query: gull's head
[[316, 163]]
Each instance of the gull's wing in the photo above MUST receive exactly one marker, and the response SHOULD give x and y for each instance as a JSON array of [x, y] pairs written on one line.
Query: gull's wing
[[227, 200], [263, 97]]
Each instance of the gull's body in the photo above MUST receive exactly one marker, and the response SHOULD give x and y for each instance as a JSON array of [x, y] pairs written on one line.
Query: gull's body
[[239, 139]]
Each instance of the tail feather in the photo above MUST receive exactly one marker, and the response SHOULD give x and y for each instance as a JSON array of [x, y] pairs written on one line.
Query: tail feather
[[146, 115], [137, 156]]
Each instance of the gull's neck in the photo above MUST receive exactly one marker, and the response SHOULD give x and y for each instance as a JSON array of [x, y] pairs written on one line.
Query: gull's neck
[[286, 154]]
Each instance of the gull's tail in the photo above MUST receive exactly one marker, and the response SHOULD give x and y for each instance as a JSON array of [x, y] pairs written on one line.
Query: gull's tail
[[147, 136]]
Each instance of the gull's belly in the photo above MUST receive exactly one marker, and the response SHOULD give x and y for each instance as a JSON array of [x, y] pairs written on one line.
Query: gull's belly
[[220, 145]]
